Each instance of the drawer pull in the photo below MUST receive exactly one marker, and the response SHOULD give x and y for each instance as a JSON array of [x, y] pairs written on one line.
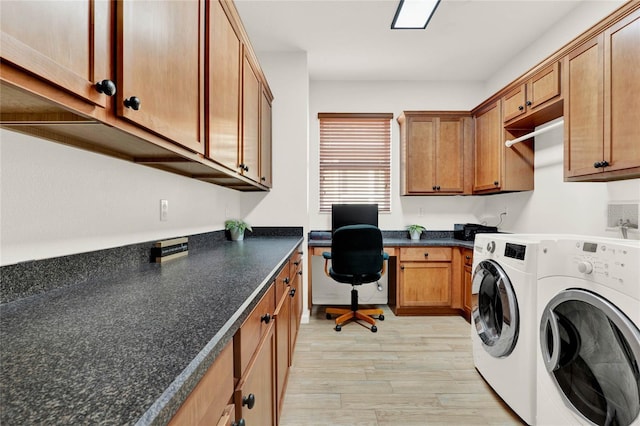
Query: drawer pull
[[292, 292], [426, 255], [249, 401], [266, 318], [468, 257], [296, 263], [240, 422], [299, 272], [286, 280]]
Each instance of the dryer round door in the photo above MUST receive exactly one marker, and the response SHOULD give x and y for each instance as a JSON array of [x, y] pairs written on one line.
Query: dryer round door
[[592, 352], [494, 309]]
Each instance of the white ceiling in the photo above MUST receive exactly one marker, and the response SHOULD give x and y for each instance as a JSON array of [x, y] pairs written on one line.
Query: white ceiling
[[466, 40]]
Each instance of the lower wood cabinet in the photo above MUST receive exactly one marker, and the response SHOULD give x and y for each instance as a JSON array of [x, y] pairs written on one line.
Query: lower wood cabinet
[[425, 281], [254, 396], [208, 403], [467, 272]]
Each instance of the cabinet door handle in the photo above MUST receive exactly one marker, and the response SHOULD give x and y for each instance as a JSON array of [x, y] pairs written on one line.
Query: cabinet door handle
[[496, 183], [244, 167], [292, 292], [107, 87], [438, 187], [264, 179], [467, 257], [300, 273], [528, 103], [433, 187], [402, 267], [296, 263], [521, 108], [240, 422], [599, 164], [266, 318], [426, 254], [286, 280], [249, 401], [133, 103]]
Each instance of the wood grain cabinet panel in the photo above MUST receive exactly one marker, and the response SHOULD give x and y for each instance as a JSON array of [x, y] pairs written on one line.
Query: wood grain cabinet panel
[[488, 148], [160, 64], [251, 101], [67, 44], [225, 50], [534, 95], [208, 401], [435, 152], [265, 138], [602, 112], [425, 284]]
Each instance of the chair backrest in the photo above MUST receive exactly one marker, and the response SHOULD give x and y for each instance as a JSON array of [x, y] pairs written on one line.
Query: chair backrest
[[357, 250]]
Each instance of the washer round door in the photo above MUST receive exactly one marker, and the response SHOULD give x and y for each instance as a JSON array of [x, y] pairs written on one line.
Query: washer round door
[[592, 352], [494, 309]]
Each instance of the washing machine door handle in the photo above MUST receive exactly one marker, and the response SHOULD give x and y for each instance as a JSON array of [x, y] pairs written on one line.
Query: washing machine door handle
[[549, 324]]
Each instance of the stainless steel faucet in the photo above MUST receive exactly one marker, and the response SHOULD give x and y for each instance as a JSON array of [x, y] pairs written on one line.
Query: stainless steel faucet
[[625, 225]]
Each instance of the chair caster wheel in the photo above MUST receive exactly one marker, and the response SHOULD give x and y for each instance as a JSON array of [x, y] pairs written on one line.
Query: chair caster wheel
[[381, 317], [374, 328], [328, 316], [338, 327]]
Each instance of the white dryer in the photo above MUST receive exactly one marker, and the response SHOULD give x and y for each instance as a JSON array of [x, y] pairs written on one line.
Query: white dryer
[[588, 354], [503, 323]]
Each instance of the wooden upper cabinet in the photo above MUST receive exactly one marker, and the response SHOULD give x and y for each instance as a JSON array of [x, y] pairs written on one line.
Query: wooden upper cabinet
[[488, 148], [251, 101], [602, 110], [265, 139], [435, 147], [160, 65], [533, 95], [225, 51], [67, 44]]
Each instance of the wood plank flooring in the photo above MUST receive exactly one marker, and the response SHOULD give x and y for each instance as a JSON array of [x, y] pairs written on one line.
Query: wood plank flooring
[[413, 371]]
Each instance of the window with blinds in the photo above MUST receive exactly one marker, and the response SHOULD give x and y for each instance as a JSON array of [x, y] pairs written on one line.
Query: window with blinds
[[355, 160]]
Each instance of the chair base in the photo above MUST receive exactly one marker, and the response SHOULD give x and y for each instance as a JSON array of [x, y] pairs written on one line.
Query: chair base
[[346, 315]]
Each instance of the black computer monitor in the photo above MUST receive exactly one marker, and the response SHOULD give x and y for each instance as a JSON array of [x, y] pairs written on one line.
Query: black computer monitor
[[353, 214]]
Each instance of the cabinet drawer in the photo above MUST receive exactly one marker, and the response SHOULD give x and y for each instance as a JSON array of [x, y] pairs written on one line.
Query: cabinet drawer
[[282, 282], [210, 397], [246, 339], [436, 254]]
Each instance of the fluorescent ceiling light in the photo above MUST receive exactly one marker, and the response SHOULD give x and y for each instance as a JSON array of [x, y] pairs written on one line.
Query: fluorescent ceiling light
[[414, 14]]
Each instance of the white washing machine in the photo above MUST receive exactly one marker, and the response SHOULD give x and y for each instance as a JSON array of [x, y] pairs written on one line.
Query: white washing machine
[[588, 316], [503, 323]]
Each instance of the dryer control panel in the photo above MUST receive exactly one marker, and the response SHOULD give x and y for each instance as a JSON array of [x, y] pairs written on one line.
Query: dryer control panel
[[606, 261]]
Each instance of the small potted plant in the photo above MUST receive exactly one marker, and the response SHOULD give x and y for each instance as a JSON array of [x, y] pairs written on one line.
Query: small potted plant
[[415, 231], [236, 228]]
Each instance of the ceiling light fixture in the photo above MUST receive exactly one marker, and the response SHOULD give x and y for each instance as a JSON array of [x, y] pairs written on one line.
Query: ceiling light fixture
[[414, 14]]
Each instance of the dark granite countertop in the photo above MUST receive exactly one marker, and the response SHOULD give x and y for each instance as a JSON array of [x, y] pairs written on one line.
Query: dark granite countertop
[[399, 239], [130, 349]]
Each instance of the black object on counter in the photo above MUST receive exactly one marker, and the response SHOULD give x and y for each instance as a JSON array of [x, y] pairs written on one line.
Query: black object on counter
[[468, 231]]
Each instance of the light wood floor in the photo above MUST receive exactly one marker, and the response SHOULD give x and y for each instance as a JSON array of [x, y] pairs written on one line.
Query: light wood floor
[[413, 371]]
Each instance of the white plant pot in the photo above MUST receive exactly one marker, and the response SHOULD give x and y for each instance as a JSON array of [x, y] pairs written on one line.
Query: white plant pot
[[415, 235], [236, 235]]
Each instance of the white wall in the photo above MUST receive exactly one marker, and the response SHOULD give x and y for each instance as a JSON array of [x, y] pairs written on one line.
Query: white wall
[[57, 200], [556, 206], [438, 212], [286, 203]]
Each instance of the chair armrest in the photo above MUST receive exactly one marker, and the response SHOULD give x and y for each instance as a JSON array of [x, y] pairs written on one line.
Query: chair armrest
[[327, 258], [385, 256], [326, 254]]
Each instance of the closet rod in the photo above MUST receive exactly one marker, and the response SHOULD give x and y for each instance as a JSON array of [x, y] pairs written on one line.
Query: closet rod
[[532, 134]]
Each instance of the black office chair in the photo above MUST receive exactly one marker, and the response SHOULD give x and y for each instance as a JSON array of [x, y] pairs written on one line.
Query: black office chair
[[357, 257]]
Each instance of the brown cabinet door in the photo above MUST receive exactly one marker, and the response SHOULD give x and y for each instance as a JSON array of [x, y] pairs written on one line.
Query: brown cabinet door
[[622, 94], [161, 64], [449, 155], [265, 140], [255, 394], [584, 109], [296, 309], [66, 43], [420, 154], [543, 86], [425, 284], [282, 318], [513, 103], [488, 149], [251, 100], [466, 296], [225, 50]]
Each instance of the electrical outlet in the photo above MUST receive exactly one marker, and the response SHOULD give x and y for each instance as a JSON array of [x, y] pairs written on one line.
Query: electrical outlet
[[164, 210]]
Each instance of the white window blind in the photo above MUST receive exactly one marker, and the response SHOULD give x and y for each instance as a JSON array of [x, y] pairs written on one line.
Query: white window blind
[[355, 159]]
